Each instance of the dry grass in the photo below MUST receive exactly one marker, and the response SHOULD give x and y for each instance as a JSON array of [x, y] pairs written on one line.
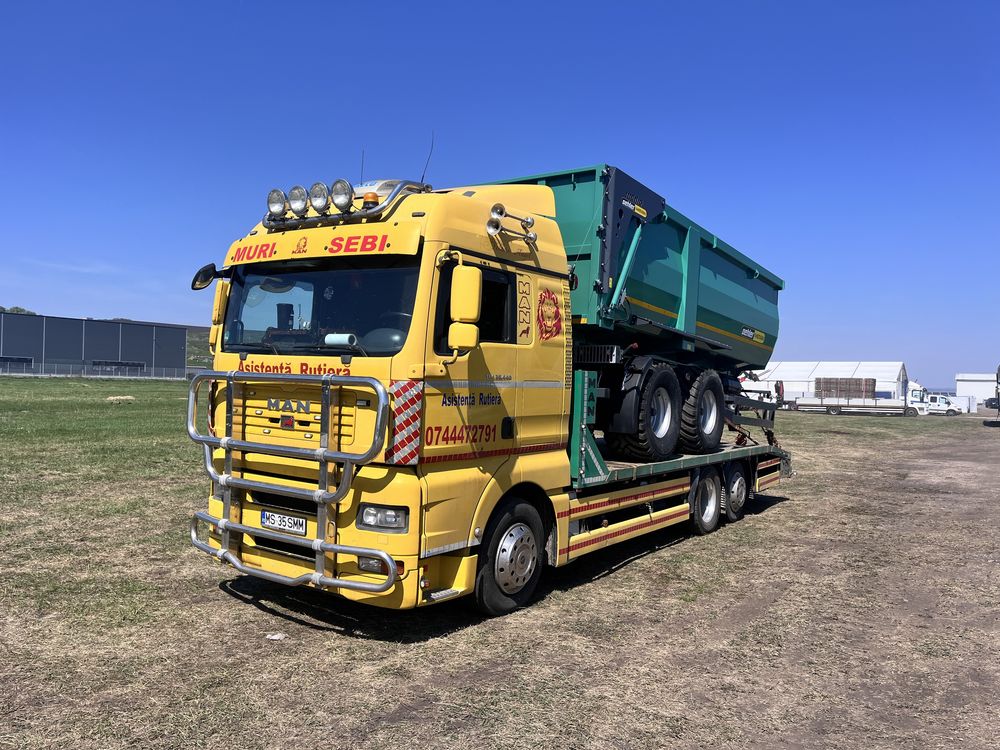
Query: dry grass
[[856, 608]]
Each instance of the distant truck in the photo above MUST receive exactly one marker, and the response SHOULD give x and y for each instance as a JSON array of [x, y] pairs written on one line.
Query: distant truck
[[915, 401]]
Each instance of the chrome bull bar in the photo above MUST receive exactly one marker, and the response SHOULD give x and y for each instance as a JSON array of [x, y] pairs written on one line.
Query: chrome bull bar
[[317, 545], [323, 496]]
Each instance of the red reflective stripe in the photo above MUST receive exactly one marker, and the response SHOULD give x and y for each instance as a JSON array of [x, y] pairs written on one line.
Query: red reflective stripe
[[622, 532], [660, 493], [497, 452], [404, 438]]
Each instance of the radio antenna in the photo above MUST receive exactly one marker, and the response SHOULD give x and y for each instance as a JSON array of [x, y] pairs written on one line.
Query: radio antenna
[[426, 163], [362, 180]]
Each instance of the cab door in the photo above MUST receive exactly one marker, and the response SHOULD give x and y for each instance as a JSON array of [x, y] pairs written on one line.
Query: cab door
[[469, 412]]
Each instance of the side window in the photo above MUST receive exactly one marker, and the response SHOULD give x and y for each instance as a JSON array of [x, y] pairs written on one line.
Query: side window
[[496, 321]]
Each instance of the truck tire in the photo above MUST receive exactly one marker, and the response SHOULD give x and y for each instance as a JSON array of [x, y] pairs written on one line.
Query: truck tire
[[951, 413], [706, 505], [736, 491], [511, 560], [659, 420], [702, 416], [910, 412], [833, 411]]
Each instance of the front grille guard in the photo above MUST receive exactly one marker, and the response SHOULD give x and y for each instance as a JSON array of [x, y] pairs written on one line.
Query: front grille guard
[[323, 496]]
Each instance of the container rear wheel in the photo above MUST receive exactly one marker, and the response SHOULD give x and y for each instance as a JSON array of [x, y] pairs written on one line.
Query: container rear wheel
[[703, 414], [833, 410], [659, 421], [707, 504]]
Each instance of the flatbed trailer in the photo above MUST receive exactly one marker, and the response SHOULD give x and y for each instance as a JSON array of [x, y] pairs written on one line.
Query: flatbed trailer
[[883, 406]]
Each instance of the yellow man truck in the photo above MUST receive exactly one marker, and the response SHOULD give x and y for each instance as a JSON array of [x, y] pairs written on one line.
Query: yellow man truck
[[421, 394]]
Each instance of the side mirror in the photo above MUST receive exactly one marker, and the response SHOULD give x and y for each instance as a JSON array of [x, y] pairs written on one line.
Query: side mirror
[[466, 295], [463, 336], [205, 276]]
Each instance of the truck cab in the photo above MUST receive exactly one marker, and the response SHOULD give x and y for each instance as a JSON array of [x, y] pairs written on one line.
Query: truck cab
[[413, 323]]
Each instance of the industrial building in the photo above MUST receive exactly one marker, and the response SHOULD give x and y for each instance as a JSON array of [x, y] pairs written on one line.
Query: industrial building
[[979, 385], [799, 378], [47, 345]]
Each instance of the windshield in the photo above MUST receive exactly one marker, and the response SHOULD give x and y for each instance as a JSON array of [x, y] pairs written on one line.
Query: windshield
[[309, 307]]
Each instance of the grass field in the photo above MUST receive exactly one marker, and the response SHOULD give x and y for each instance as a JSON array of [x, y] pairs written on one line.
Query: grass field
[[857, 607]]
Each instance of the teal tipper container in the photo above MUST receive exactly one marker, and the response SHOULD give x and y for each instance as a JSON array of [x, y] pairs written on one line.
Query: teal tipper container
[[643, 267]]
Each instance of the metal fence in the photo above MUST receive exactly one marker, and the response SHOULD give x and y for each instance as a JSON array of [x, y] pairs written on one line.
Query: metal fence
[[53, 369]]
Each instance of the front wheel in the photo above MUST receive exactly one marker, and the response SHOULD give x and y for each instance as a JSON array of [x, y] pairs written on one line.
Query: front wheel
[[952, 413], [910, 412], [511, 562]]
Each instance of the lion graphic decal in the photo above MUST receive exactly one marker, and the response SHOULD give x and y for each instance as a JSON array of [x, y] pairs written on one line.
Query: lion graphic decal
[[549, 317]]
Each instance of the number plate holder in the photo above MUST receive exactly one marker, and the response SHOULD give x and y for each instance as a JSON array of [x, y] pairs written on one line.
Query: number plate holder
[[283, 522]]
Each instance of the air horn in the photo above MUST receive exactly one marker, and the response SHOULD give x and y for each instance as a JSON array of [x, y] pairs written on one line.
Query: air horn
[[494, 226]]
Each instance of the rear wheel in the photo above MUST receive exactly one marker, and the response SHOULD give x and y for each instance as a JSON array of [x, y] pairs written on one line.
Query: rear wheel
[[702, 418], [737, 491], [511, 560], [834, 410], [659, 419], [707, 503]]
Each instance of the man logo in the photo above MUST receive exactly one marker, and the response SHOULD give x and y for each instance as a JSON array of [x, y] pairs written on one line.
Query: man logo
[[275, 404]]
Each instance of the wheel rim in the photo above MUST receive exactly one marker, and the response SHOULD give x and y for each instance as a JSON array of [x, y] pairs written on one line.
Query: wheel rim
[[709, 413], [709, 501], [516, 558], [660, 412], [737, 492]]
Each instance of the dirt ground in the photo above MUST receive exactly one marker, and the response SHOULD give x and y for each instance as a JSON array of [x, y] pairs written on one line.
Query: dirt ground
[[855, 607]]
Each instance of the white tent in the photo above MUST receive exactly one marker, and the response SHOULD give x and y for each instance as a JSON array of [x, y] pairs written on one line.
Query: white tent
[[799, 378]]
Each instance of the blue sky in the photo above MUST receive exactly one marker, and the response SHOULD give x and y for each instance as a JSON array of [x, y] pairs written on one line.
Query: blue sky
[[853, 148]]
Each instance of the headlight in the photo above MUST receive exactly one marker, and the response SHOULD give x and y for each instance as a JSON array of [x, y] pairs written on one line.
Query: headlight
[[342, 194], [276, 203], [319, 197], [382, 517], [298, 200]]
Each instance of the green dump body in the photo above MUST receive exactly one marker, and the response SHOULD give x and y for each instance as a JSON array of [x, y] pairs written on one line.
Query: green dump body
[[642, 266]]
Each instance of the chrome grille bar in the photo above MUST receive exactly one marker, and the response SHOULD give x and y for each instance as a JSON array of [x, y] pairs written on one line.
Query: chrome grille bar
[[323, 496]]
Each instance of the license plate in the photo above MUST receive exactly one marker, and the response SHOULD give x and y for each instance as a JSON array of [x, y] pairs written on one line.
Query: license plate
[[281, 522]]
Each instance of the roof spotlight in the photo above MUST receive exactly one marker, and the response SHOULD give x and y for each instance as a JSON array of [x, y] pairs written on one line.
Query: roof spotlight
[[277, 204], [319, 197], [342, 194], [298, 200]]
